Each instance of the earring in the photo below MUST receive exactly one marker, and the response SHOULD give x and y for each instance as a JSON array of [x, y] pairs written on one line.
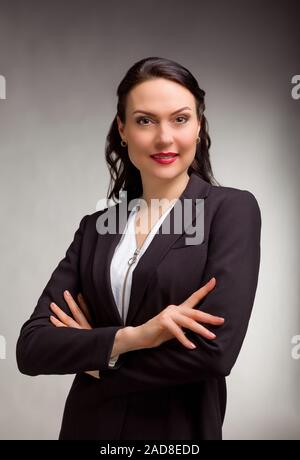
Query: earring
[[198, 140], [123, 143]]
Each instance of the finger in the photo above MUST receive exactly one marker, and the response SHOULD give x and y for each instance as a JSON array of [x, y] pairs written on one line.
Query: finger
[[209, 319], [189, 323], [178, 333], [56, 322], [199, 315], [198, 295], [63, 317], [76, 312], [84, 307]]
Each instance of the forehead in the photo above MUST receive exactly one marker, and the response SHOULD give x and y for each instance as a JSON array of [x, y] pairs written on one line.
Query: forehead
[[159, 96]]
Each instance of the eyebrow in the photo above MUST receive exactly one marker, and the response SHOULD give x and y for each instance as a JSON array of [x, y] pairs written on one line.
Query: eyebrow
[[153, 114]]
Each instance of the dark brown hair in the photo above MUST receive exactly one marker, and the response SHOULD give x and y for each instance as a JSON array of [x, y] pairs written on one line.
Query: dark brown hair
[[123, 174]]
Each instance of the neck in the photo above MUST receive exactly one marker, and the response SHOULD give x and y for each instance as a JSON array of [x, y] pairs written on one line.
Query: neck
[[168, 189]]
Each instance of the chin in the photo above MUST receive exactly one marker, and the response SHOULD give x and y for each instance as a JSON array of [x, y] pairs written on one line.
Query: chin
[[166, 173]]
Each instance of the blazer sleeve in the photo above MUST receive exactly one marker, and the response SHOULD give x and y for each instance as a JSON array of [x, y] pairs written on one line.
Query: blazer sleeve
[[43, 348], [233, 258]]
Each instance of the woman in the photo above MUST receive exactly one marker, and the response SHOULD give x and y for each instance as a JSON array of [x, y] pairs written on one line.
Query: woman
[[153, 321]]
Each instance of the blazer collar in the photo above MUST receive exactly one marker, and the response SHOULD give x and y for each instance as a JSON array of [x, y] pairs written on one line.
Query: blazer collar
[[161, 243]]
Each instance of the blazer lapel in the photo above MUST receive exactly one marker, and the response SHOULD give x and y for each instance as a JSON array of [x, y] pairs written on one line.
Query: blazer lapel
[[161, 243], [104, 250]]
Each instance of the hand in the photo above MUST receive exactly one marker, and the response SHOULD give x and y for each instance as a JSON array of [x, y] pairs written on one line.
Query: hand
[[81, 315], [82, 318], [167, 324]]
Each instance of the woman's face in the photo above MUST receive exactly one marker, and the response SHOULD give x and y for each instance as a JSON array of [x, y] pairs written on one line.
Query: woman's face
[[160, 130]]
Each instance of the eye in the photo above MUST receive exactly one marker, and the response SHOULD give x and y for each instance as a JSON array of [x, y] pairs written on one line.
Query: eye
[[140, 119], [184, 117]]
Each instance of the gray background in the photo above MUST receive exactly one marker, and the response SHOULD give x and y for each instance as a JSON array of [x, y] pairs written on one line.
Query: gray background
[[62, 62]]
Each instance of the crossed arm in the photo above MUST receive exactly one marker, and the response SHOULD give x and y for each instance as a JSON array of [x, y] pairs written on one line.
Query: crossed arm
[[45, 349], [234, 257]]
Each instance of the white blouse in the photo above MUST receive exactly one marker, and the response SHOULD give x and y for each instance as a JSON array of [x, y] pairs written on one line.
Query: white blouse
[[120, 270]]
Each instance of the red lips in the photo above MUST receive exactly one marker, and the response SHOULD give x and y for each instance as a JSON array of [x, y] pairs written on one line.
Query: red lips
[[164, 154]]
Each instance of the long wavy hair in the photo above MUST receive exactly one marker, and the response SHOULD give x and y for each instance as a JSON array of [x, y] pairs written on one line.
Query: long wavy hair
[[123, 174]]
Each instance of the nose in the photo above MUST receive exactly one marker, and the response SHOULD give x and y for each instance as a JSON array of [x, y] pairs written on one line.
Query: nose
[[164, 135]]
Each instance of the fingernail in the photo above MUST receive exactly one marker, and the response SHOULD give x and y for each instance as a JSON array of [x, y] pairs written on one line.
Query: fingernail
[[67, 293], [192, 345], [52, 304], [212, 335]]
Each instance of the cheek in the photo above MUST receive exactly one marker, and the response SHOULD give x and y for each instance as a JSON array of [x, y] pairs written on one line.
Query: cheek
[[187, 140], [138, 136], [140, 144]]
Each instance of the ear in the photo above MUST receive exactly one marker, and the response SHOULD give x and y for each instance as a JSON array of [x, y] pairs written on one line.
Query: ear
[[120, 126]]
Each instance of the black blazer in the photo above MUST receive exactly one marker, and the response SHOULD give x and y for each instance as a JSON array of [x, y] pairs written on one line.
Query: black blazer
[[167, 392]]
